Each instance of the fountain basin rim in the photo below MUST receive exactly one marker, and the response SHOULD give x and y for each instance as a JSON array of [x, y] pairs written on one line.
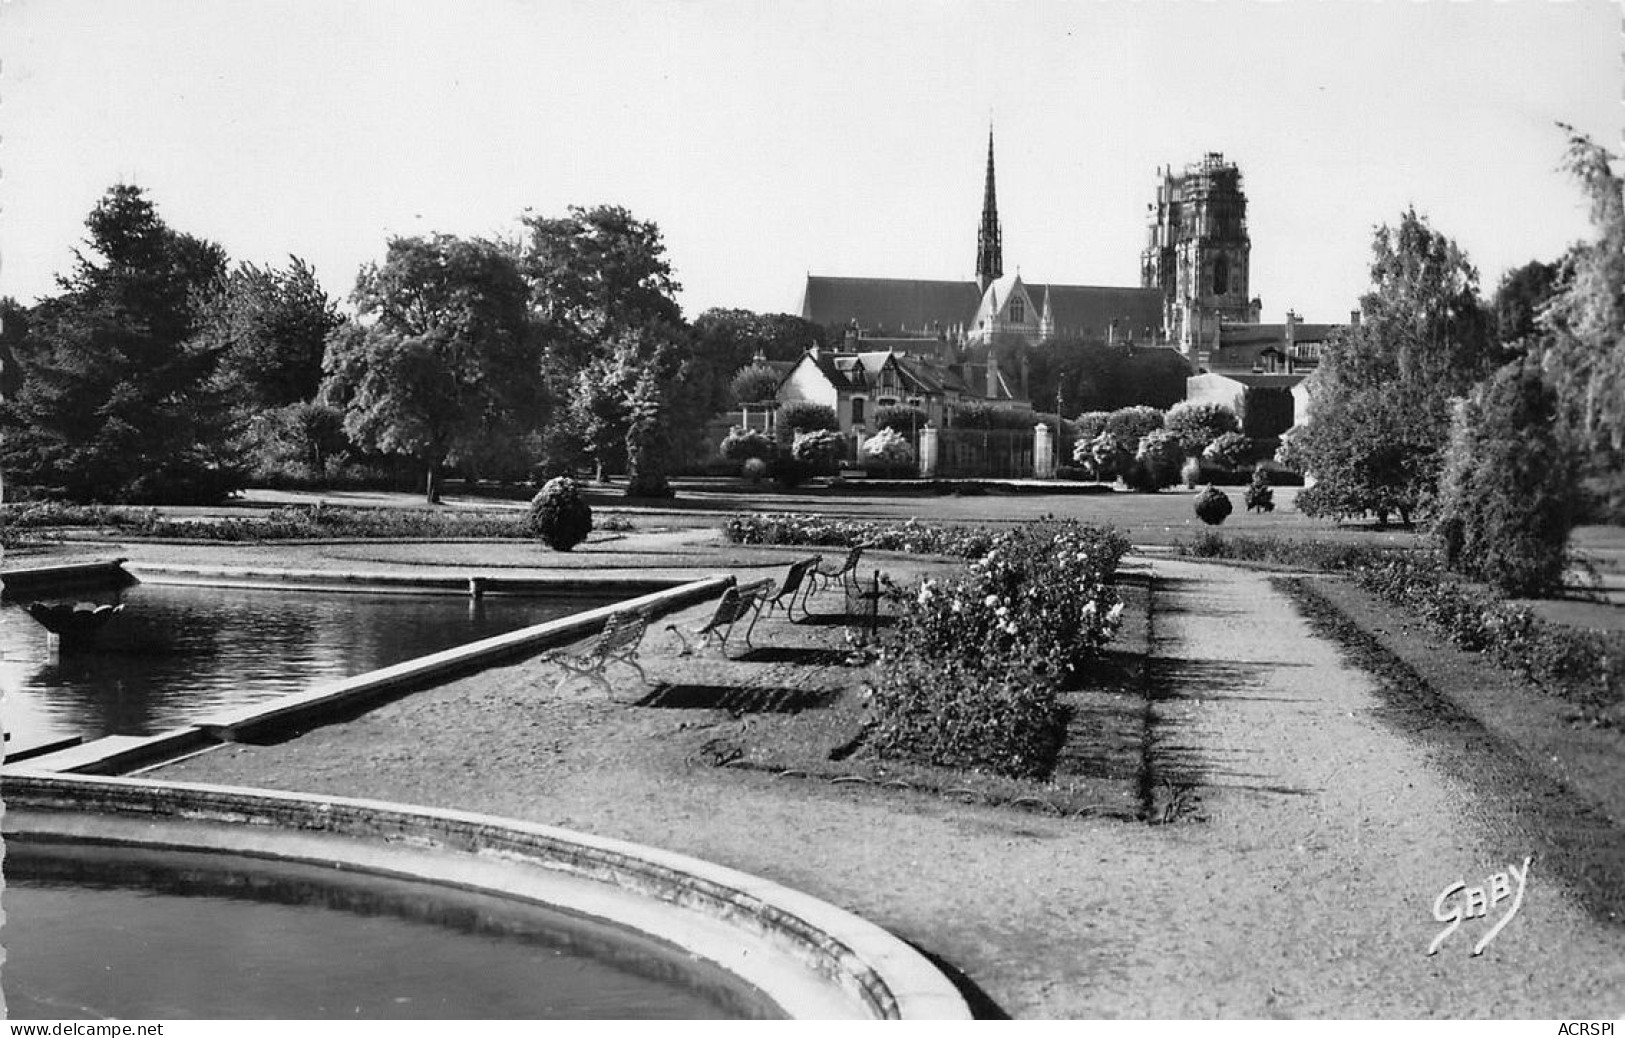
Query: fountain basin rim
[[812, 958]]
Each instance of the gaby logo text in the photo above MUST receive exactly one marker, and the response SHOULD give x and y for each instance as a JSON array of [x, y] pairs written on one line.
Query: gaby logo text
[[1458, 902]]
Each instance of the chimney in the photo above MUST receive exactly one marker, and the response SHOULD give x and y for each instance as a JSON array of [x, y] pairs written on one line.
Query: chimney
[[1354, 318]]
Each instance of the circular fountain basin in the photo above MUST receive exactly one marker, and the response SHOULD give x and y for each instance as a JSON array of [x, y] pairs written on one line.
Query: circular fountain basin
[[739, 945], [97, 931]]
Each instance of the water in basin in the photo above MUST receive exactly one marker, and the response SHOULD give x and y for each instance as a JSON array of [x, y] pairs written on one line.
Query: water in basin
[[95, 931], [175, 653]]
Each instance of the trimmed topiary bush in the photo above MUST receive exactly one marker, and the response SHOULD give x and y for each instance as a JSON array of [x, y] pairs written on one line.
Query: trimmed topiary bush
[[1213, 505], [1260, 497], [559, 515]]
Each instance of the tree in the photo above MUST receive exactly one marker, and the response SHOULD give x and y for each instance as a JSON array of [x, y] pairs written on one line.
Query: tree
[[1508, 497], [1380, 401], [803, 416], [727, 343], [1520, 300], [115, 401], [755, 384], [1585, 356], [596, 273], [271, 328], [440, 362]]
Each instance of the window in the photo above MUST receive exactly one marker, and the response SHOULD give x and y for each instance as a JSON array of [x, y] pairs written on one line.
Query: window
[[887, 401], [1221, 276], [1018, 312], [857, 410]]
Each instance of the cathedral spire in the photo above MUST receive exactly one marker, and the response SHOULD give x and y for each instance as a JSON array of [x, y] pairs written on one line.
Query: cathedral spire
[[989, 239]]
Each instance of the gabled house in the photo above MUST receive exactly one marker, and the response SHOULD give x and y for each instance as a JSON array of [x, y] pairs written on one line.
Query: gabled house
[[856, 383]]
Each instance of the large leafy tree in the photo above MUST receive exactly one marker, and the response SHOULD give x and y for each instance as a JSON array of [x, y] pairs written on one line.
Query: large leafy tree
[[440, 365], [601, 292], [116, 401], [596, 273], [271, 327], [1380, 402]]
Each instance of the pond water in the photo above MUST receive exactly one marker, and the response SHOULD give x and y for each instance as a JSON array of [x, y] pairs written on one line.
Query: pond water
[[95, 931], [176, 653]]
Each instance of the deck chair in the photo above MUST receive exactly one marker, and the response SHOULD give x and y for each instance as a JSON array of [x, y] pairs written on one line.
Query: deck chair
[[846, 573], [797, 584], [617, 642], [735, 604]]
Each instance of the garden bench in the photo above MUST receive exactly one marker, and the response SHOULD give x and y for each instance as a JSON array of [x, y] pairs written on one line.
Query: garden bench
[[617, 642], [735, 604], [797, 583], [846, 573]]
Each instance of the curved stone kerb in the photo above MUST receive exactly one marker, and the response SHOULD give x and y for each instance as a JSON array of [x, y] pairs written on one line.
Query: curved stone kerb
[[811, 957]]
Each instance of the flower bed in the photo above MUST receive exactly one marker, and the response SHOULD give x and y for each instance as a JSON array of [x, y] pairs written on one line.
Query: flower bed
[[816, 531], [972, 676]]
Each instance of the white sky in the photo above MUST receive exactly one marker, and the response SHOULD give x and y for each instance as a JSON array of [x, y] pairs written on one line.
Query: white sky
[[772, 138]]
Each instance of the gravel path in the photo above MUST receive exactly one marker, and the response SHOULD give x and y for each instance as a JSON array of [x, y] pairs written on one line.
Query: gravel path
[[1300, 881]]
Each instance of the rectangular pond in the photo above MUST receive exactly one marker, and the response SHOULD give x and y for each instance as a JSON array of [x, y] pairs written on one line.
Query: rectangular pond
[[177, 653]]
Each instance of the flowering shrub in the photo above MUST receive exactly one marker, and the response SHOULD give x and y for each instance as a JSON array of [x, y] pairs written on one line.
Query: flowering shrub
[[742, 444], [950, 714], [1104, 456], [820, 450], [887, 448], [820, 532], [972, 675], [1157, 462], [1231, 449]]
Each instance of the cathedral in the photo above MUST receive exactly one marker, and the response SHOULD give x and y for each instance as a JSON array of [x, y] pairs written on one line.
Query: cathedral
[[992, 306]]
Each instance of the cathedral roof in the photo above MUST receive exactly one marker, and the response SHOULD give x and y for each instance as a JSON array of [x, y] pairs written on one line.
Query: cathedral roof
[[889, 304], [1087, 311]]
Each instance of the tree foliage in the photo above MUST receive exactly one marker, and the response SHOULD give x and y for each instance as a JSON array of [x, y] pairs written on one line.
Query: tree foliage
[[271, 326], [1197, 425], [440, 367], [1508, 496], [115, 401], [1586, 355], [753, 384], [1379, 415]]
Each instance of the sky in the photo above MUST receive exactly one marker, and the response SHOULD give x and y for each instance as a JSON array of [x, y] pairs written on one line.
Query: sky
[[770, 139]]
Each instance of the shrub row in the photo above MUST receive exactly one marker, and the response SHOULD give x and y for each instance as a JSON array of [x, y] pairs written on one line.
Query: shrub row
[[971, 679], [303, 522], [1581, 664]]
